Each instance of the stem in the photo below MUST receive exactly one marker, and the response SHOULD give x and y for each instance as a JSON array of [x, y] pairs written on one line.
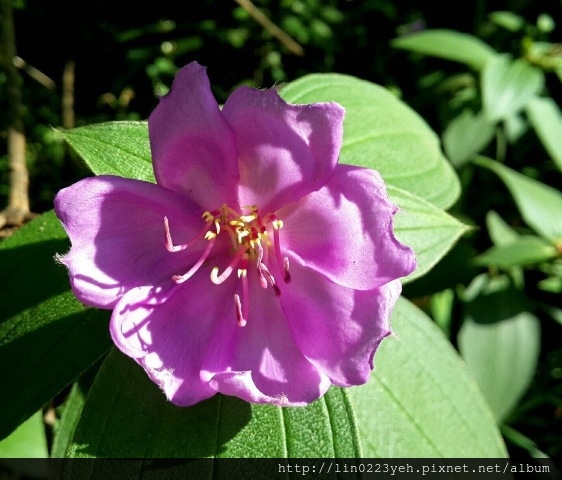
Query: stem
[[17, 210], [266, 23]]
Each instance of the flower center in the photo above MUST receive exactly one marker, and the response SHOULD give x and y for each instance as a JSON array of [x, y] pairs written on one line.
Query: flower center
[[251, 237]]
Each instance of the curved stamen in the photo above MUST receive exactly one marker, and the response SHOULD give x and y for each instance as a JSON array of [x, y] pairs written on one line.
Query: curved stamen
[[242, 302], [178, 248], [186, 276], [286, 274], [265, 275], [281, 261], [240, 317], [218, 279]]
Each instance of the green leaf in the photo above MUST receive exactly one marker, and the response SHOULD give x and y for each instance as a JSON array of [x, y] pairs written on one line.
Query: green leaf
[[429, 231], [47, 338], [525, 250], [540, 205], [447, 44], [27, 441], [114, 148], [65, 427], [383, 133], [546, 118], [502, 355], [421, 399], [508, 20], [500, 232], [126, 415], [467, 135], [507, 86]]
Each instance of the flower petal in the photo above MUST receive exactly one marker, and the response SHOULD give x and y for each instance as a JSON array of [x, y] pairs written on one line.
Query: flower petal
[[285, 151], [344, 231], [193, 148], [116, 227], [264, 364], [337, 328], [168, 332]]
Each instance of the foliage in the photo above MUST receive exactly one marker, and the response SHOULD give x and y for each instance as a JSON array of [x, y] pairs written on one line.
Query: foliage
[[476, 173]]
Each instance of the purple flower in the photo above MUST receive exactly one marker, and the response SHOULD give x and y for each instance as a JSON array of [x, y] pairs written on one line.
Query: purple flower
[[256, 266]]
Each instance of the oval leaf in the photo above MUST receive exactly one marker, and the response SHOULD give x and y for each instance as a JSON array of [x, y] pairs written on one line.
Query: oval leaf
[[507, 86], [546, 119], [426, 229], [448, 44], [126, 415], [467, 135], [421, 398], [39, 319], [502, 356], [500, 232], [114, 148], [524, 250], [383, 133], [540, 205]]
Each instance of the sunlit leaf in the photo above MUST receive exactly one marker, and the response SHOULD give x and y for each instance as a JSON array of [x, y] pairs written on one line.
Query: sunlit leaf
[[500, 232], [508, 20], [383, 133], [114, 148], [524, 250], [467, 135], [448, 44], [540, 205], [27, 441], [546, 118], [503, 354], [421, 398], [428, 230], [507, 86]]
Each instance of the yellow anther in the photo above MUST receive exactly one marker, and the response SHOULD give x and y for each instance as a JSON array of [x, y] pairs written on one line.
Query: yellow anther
[[277, 224], [210, 235], [207, 216], [242, 272], [248, 218]]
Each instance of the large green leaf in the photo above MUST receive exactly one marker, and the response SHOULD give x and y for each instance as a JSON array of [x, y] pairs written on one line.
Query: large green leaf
[[114, 148], [421, 400], [448, 44], [502, 356], [47, 338], [540, 205], [546, 119], [126, 415], [507, 86], [500, 345], [428, 230], [383, 133]]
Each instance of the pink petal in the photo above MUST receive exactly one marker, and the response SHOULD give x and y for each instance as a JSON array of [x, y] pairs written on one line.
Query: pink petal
[[338, 329], [285, 151], [169, 331], [344, 231], [193, 148], [263, 363], [116, 227]]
